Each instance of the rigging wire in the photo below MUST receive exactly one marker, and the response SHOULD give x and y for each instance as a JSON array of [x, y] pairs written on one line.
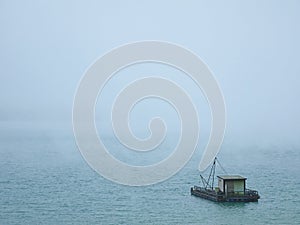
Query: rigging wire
[[210, 183], [221, 166]]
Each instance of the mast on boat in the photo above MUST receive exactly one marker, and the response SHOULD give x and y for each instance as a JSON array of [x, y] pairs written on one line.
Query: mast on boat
[[209, 184]]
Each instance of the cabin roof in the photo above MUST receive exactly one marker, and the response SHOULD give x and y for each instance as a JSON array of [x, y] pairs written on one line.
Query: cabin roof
[[232, 177]]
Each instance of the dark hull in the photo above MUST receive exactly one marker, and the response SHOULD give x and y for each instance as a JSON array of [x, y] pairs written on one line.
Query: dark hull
[[249, 196]]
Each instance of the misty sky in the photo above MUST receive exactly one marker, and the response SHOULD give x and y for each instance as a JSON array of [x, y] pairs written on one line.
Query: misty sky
[[252, 47]]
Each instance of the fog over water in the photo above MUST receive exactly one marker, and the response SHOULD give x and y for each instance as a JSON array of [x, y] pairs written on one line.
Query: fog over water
[[251, 47]]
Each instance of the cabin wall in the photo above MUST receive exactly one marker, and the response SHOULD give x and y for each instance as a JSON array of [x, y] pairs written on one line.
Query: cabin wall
[[221, 184], [239, 186], [236, 186]]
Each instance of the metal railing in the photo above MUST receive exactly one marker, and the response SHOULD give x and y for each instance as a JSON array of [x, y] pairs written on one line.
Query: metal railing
[[251, 192]]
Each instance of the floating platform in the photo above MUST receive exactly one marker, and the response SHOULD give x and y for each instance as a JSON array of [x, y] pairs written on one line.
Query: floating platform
[[218, 196], [231, 188]]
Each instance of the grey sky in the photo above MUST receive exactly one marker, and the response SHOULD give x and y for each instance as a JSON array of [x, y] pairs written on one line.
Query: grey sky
[[252, 47]]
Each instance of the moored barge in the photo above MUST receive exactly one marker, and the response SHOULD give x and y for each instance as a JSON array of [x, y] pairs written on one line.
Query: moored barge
[[231, 188]]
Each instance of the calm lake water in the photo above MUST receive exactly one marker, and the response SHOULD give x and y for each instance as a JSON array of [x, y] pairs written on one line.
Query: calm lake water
[[44, 180]]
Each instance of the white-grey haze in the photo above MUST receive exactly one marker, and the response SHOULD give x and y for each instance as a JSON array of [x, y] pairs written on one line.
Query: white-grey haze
[[252, 47]]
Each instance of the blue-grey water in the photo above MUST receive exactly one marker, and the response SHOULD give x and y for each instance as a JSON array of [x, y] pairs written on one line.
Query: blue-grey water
[[44, 180]]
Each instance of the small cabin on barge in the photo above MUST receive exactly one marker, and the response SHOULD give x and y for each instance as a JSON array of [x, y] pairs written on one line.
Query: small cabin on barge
[[232, 184]]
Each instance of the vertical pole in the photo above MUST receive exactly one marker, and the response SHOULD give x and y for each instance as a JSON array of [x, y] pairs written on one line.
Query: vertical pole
[[213, 176]]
